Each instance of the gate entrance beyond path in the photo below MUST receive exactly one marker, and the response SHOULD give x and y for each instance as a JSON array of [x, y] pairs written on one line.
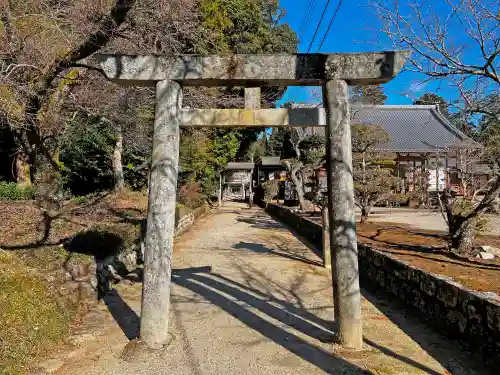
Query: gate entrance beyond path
[[334, 72]]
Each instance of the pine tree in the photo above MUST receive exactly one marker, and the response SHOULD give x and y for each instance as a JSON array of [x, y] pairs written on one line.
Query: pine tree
[[369, 95]]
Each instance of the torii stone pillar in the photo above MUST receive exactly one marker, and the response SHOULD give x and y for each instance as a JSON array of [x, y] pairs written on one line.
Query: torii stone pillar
[[161, 214], [342, 218], [252, 100], [332, 71]]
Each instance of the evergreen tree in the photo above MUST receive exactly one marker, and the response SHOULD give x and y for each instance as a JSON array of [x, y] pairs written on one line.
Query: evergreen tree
[[430, 98], [369, 95]]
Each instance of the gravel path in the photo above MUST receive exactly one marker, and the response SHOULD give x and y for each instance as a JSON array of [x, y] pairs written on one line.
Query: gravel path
[[249, 298], [425, 219]]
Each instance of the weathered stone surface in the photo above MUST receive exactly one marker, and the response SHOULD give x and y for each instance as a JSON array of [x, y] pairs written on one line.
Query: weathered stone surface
[[447, 292], [343, 241], [252, 97], [87, 291], [273, 117], [428, 286], [50, 366], [76, 269], [161, 215], [365, 68], [187, 220], [493, 316], [455, 318], [255, 70], [327, 251]]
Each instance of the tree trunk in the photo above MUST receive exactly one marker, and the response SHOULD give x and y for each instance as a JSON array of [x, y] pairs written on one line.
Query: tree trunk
[[299, 190], [29, 136], [365, 211], [117, 161], [22, 170], [463, 238], [219, 196]]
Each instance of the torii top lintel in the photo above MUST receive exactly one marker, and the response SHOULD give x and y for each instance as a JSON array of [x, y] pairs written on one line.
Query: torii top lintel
[[255, 70]]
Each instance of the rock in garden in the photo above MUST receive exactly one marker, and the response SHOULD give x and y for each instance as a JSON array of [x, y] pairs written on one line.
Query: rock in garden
[[490, 249], [485, 255]]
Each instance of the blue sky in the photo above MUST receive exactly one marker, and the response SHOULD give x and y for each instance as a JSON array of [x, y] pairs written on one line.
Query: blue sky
[[354, 30]]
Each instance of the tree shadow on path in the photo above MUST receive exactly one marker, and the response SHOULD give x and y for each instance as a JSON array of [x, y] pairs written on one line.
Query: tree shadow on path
[[283, 252], [452, 356], [213, 290]]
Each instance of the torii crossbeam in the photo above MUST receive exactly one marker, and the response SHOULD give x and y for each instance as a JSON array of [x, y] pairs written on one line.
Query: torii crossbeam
[[334, 72]]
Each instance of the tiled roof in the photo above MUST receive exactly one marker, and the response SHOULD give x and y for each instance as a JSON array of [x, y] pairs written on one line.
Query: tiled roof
[[412, 128], [268, 161], [239, 165]]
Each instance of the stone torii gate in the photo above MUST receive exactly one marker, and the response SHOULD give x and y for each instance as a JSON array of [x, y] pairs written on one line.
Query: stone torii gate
[[334, 72]]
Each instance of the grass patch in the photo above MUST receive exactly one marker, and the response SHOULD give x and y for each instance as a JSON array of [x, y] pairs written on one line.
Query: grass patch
[[30, 316], [79, 200], [10, 191]]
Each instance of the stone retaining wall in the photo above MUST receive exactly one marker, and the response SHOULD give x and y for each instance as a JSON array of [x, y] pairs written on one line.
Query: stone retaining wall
[[187, 220], [80, 280], [301, 225], [471, 317]]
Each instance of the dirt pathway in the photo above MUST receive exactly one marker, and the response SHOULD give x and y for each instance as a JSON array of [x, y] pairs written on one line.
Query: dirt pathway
[[426, 219], [249, 298]]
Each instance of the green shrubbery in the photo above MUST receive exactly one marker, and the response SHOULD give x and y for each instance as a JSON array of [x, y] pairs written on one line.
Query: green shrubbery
[[13, 192], [85, 157]]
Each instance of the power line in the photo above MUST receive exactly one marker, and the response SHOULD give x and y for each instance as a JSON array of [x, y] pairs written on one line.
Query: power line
[[330, 24], [291, 97], [303, 27], [303, 22], [307, 18], [318, 26]]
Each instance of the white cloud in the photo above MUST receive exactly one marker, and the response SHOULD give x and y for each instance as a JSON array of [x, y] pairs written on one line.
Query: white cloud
[[417, 86]]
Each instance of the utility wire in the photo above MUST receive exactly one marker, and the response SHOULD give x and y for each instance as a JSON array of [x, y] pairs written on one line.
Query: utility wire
[[318, 26], [303, 27], [307, 18], [329, 28], [303, 22], [330, 24]]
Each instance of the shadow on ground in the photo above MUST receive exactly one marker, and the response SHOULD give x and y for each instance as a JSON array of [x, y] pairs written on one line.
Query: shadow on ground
[[126, 318], [241, 299], [426, 252], [228, 294], [411, 322], [282, 251], [104, 247], [259, 222], [214, 288]]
